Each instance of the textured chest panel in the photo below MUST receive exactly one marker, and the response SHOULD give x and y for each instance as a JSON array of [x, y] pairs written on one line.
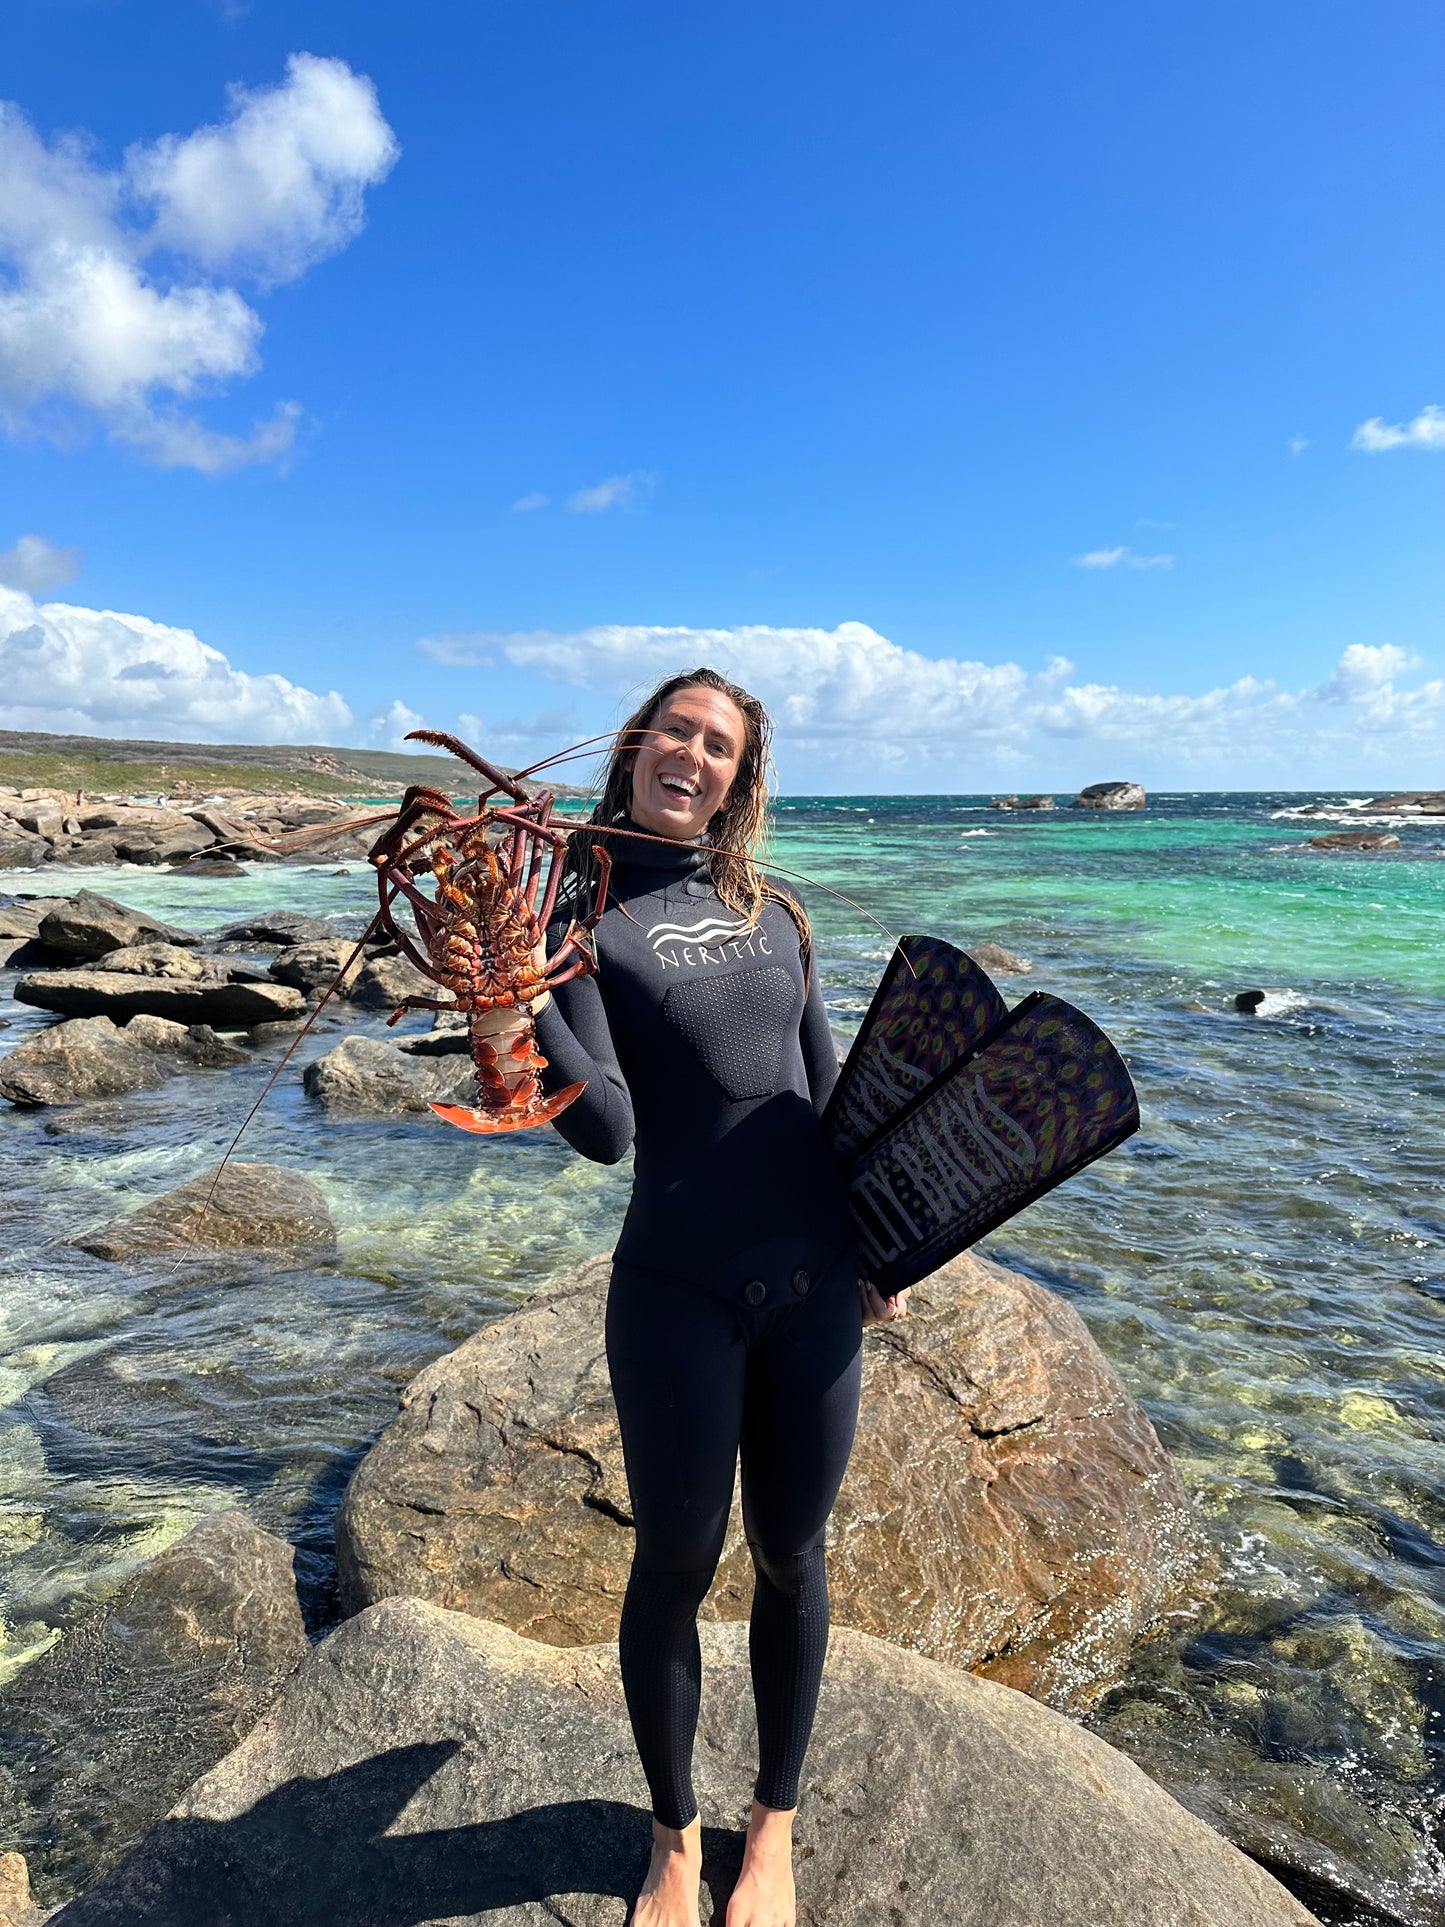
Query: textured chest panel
[[738, 1024]]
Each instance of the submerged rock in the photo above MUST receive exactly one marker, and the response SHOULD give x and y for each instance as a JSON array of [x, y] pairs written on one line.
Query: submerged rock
[[424, 1767], [1356, 840], [123, 994], [368, 1074], [1007, 1506], [253, 1207], [87, 1057], [105, 1730], [993, 956], [1111, 796]]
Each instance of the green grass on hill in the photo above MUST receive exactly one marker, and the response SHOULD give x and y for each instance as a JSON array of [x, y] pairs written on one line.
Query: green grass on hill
[[73, 770]]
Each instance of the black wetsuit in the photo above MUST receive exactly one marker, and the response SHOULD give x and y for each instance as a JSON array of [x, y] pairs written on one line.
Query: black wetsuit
[[733, 1319]]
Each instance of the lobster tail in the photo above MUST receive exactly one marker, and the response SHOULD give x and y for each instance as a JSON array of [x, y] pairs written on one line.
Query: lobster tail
[[508, 1084]]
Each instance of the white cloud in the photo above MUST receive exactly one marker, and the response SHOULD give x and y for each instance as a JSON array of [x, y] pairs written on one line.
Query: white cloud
[[1298, 444], [95, 672], [35, 565], [524, 504], [112, 309], [1427, 430], [851, 703], [1121, 557], [388, 728], [617, 492]]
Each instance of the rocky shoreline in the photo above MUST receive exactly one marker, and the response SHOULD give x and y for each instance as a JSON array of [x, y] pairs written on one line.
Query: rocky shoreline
[[1034, 1532]]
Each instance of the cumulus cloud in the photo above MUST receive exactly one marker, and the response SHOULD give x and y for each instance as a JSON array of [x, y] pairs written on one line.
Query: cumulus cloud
[[1427, 430], [1121, 557], [1298, 444], [35, 565], [389, 728], [116, 306], [95, 672], [853, 698], [616, 492]]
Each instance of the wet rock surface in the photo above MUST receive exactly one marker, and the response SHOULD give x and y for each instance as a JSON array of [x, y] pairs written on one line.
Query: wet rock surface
[[251, 1208], [278, 929], [110, 1725], [212, 996], [1007, 1506], [88, 925], [423, 1767], [998, 961], [1111, 796], [1365, 840], [368, 1074], [85, 1058], [191, 1044]]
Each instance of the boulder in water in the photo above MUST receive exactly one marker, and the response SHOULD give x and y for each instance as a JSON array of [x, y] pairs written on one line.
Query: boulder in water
[[209, 998], [88, 925], [1037, 803], [368, 1074], [1364, 840], [313, 967], [70, 1062], [108, 1727], [1111, 796], [195, 1044], [1008, 1506], [1003, 963], [19, 850], [252, 1207], [385, 981], [419, 1766], [279, 929]]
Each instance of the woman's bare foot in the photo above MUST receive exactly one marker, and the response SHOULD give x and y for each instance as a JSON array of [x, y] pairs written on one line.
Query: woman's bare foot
[[669, 1893], [764, 1895]]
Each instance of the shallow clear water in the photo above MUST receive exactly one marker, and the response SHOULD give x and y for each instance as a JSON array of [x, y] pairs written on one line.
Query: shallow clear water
[[1263, 1264]]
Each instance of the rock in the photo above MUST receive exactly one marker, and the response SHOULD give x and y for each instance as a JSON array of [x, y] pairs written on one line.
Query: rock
[[1356, 840], [24, 917], [194, 1044], [17, 1909], [1007, 1506], [385, 981], [993, 956], [1004, 803], [124, 994], [281, 929], [88, 925], [282, 1032], [315, 966], [421, 1767], [1111, 796], [366, 1074], [70, 1062], [170, 961], [18, 849], [253, 1207], [105, 1730], [1037, 803], [90, 851], [1427, 802], [41, 820], [171, 846], [437, 1043], [211, 866]]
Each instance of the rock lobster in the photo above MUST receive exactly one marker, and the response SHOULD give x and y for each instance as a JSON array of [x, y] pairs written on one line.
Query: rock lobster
[[479, 936]]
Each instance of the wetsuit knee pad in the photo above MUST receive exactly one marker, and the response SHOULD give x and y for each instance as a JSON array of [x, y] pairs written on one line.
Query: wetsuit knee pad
[[792, 1574]]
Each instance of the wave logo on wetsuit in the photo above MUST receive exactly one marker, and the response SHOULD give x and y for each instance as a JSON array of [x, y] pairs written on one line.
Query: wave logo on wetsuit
[[710, 941]]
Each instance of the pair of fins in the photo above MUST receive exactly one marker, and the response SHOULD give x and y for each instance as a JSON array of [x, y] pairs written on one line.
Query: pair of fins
[[952, 1112]]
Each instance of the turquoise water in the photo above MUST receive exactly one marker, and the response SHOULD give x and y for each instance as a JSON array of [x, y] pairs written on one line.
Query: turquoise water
[[1263, 1264]]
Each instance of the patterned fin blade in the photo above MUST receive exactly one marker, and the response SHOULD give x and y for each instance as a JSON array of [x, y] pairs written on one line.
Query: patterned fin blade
[[1046, 1095], [932, 1008]]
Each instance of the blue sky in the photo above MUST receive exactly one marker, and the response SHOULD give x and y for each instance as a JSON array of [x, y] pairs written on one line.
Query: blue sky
[[1015, 397]]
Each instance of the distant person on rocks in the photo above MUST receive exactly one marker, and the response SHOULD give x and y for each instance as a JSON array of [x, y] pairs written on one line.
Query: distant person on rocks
[[736, 1308]]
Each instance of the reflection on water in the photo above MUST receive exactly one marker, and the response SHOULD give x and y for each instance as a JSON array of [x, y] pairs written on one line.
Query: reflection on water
[[1262, 1263]]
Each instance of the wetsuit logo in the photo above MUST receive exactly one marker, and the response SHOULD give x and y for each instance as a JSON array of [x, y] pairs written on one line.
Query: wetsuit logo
[[710, 941]]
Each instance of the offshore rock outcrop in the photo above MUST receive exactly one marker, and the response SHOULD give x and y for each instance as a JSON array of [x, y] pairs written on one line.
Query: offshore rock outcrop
[[424, 1767], [1110, 796], [1008, 1506]]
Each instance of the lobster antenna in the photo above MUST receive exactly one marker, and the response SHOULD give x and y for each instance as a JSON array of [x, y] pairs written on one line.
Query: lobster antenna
[[332, 987]]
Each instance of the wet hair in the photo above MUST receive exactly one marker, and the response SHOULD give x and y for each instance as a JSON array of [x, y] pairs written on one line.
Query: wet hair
[[736, 833]]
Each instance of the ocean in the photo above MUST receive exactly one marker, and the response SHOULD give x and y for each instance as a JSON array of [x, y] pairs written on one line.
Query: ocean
[[1263, 1264]]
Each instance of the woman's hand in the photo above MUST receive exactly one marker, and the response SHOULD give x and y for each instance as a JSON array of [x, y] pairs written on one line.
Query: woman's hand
[[878, 1310]]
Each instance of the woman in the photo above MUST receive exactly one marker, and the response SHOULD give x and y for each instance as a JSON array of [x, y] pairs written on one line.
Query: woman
[[735, 1309]]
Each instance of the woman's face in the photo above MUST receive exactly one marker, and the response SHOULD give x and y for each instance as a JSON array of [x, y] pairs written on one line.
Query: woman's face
[[683, 771]]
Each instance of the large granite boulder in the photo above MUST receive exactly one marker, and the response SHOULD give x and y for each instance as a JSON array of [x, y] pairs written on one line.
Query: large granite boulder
[[367, 1074], [1007, 1507], [1111, 796], [250, 1208], [87, 925], [105, 1730], [385, 981], [278, 930], [195, 1045], [72, 1062], [423, 1767], [313, 967], [211, 997], [19, 850]]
